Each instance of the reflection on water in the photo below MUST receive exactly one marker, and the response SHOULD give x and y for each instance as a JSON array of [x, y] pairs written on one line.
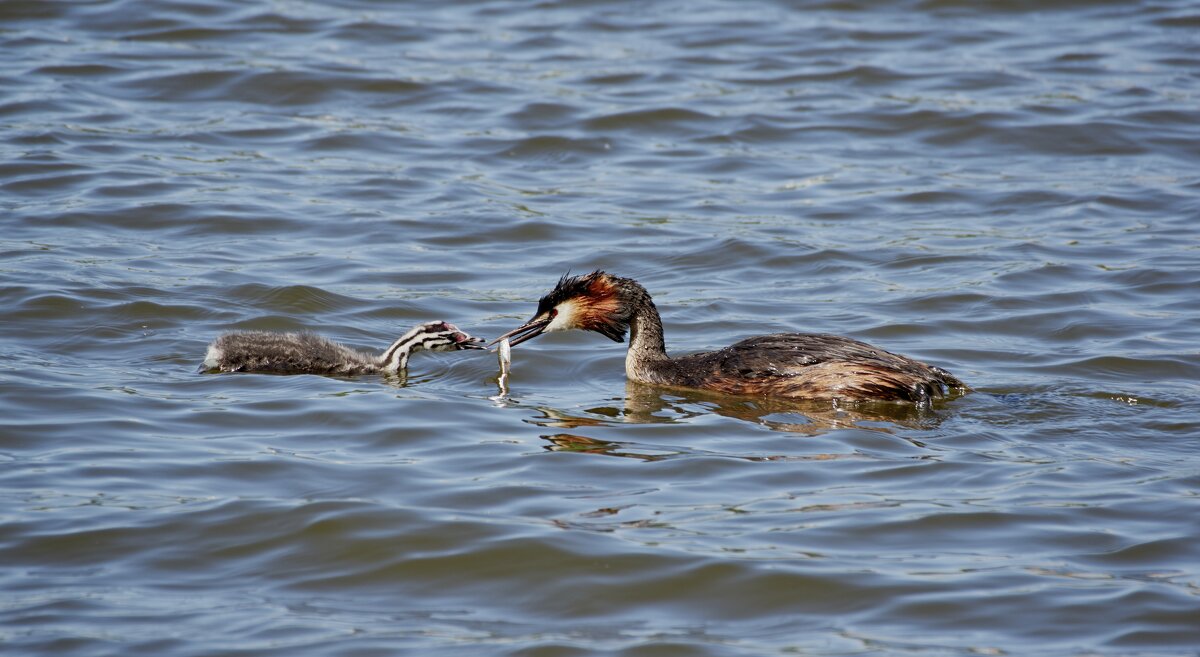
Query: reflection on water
[[650, 404], [569, 442]]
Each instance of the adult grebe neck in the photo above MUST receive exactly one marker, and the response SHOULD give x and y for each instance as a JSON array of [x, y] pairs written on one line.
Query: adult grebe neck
[[647, 360]]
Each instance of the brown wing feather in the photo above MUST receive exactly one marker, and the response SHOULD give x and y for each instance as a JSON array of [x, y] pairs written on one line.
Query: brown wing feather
[[815, 367]]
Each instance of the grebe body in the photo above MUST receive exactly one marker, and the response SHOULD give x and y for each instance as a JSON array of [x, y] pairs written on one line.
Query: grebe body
[[783, 365], [306, 353]]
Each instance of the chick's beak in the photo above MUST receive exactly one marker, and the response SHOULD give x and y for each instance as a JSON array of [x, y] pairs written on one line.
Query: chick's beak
[[527, 331], [465, 341]]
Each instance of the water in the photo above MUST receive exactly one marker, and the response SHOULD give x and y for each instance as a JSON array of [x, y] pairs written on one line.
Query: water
[[1007, 189]]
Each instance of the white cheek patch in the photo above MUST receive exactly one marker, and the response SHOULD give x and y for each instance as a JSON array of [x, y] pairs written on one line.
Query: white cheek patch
[[565, 319]]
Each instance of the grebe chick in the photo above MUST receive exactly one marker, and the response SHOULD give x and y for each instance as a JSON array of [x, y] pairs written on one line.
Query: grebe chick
[[306, 353], [785, 365]]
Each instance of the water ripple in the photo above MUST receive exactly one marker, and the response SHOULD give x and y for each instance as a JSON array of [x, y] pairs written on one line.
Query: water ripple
[[1002, 188]]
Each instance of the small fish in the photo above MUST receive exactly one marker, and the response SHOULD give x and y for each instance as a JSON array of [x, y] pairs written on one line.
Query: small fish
[[504, 352]]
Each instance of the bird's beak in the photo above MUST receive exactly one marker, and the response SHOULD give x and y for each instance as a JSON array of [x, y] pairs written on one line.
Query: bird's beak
[[469, 342], [464, 341], [527, 331]]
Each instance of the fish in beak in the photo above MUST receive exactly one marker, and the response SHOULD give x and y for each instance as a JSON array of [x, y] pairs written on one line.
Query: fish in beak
[[527, 331]]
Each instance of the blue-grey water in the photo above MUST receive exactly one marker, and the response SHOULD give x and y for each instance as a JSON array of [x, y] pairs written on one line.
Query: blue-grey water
[[1009, 189]]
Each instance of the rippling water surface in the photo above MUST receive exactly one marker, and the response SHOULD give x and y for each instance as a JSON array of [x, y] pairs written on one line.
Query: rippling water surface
[[1007, 189]]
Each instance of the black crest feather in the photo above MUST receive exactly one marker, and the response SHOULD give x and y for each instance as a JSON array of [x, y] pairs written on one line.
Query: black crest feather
[[605, 306]]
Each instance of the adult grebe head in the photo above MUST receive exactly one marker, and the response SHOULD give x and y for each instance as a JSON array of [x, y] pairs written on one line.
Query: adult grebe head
[[597, 302]]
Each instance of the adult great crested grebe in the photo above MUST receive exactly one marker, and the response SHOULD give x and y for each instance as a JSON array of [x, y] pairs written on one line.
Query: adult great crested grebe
[[305, 353], [786, 365]]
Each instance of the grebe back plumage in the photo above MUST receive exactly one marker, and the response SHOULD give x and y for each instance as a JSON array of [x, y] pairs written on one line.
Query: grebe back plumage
[[307, 353], [785, 365]]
